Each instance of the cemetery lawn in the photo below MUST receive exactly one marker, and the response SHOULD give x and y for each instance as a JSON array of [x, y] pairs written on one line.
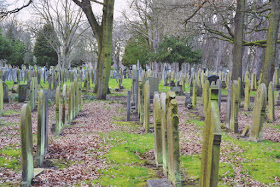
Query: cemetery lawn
[[100, 148]]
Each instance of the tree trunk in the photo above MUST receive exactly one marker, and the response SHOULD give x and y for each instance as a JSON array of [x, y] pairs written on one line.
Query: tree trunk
[[238, 40], [270, 50]]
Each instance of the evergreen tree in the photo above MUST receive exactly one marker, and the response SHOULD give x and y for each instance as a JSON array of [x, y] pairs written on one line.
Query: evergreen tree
[[43, 51]]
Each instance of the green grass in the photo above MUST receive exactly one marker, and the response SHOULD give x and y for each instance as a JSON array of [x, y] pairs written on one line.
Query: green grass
[[9, 112], [126, 168], [262, 159], [9, 158]]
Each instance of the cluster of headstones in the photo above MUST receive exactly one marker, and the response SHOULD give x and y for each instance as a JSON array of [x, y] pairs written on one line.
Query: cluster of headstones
[[74, 106]]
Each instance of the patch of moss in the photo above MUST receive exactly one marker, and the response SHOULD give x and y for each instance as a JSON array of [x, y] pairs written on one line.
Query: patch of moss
[[62, 164], [195, 122], [122, 155], [9, 112], [191, 165], [124, 175], [9, 158]]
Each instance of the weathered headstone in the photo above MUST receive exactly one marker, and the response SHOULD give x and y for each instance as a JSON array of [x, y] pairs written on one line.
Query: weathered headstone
[[41, 129], [247, 93], [219, 84], [211, 143], [174, 171], [194, 95], [57, 112], [147, 106], [271, 112], [205, 96], [1, 98], [157, 129], [26, 145], [64, 100], [163, 101], [22, 89], [6, 93], [234, 107], [128, 106], [259, 113]]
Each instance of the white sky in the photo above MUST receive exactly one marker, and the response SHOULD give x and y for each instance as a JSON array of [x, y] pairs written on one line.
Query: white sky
[[25, 14]]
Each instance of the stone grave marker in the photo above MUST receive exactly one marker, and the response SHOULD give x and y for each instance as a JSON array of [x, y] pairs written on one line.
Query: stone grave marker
[[234, 107], [163, 101], [258, 114], [147, 106], [57, 112], [271, 112], [211, 143], [157, 129]]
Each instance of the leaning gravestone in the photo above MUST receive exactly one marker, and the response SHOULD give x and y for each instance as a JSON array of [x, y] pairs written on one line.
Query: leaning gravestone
[[147, 106], [174, 171], [26, 145], [211, 143], [157, 130], [41, 129], [259, 113]]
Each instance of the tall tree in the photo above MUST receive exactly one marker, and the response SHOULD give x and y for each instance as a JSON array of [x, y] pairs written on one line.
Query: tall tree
[[238, 40], [103, 33], [43, 51], [272, 36]]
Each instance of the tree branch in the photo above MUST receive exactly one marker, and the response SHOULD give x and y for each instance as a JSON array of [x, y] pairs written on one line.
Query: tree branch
[[97, 2], [199, 7], [6, 13]]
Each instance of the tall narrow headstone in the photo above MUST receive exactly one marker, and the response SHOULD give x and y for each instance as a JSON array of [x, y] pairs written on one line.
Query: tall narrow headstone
[[41, 129], [258, 114], [234, 107], [58, 112], [174, 171], [157, 129], [163, 101], [271, 112], [147, 106], [211, 143], [247, 93], [128, 106], [205, 96], [194, 95], [26, 145]]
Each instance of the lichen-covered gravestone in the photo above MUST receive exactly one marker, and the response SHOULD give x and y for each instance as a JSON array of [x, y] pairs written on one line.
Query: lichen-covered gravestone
[[194, 95], [64, 100], [147, 106], [58, 112], [271, 112], [206, 86], [26, 145], [234, 107], [258, 114], [163, 101], [41, 128], [157, 129], [1, 98], [70, 101], [211, 143], [247, 92], [174, 171]]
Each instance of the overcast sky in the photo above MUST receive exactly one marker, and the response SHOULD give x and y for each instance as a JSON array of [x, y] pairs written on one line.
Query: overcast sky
[[25, 14]]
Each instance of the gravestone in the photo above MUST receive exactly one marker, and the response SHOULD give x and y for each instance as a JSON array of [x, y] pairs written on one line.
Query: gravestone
[[26, 145], [212, 78], [211, 143], [157, 129], [258, 114], [234, 107], [271, 112], [128, 106], [147, 106], [64, 100], [163, 102], [70, 104], [194, 95], [41, 129], [46, 121], [174, 171], [205, 96], [177, 90], [22, 89], [6, 93], [247, 93], [57, 112], [228, 107], [153, 82], [1, 98], [219, 84], [188, 102]]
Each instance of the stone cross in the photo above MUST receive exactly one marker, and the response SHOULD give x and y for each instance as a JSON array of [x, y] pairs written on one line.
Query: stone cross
[[259, 113]]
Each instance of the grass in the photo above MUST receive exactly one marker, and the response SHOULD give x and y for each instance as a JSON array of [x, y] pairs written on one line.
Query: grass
[[9, 158], [126, 168]]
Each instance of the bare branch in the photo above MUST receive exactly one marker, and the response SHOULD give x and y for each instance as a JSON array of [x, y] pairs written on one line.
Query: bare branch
[[8, 12]]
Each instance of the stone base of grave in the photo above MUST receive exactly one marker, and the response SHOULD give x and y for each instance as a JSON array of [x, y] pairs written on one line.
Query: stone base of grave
[[159, 183], [38, 171]]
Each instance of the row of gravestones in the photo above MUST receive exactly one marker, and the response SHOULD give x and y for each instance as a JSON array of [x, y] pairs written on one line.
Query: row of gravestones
[[74, 106], [166, 133]]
